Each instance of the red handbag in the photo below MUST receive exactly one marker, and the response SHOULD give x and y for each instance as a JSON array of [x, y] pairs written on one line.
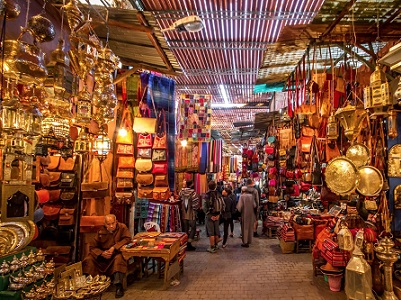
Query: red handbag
[[159, 168], [289, 174], [269, 149], [145, 140]]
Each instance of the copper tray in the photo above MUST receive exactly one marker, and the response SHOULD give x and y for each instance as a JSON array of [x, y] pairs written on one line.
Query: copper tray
[[370, 181], [341, 176], [359, 154]]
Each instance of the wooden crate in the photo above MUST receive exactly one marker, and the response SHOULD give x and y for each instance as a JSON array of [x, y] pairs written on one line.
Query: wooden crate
[[287, 247]]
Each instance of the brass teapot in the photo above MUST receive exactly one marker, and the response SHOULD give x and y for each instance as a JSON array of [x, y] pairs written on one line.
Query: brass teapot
[[4, 268], [30, 294], [40, 256], [41, 28], [31, 258], [15, 264]]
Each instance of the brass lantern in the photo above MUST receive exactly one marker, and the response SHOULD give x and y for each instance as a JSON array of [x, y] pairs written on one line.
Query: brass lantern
[[344, 237], [83, 108], [50, 139], [102, 145], [392, 124], [332, 128], [82, 143], [35, 118], [358, 277], [350, 118]]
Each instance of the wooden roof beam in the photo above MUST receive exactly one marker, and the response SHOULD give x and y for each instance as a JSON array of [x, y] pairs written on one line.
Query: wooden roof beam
[[155, 42], [341, 15]]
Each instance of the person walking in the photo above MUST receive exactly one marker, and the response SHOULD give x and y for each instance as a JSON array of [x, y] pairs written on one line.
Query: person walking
[[230, 207], [246, 206], [213, 206], [190, 204], [256, 196]]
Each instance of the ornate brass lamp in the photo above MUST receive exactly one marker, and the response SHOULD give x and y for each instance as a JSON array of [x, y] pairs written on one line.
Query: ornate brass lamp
[[102, 145], [350, 118], [82, 143], [388, 255], [332, 128]]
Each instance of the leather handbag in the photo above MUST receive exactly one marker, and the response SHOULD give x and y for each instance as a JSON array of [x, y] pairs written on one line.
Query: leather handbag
[[125, 149], [306, 142], [44, 179], [125, 134], [124, 198], [159, 155], [145, 140], [125, 173], [95, 189], [370, 204], [145, 192], [54, 195], [161, 180], [160, 141], [125, 183], [144, 123], [331, 150], [126, 162], [55, 179], [144, 178], [144, 153], [143, 165], [54, 162], [161, 193], [91, 223], [159, 168], [67, 217], [66, 164], [67, 195], [42, 195], [51, 211], [67, 180]]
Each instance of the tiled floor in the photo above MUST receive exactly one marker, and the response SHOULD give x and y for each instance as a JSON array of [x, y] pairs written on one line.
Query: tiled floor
[[258, 272]]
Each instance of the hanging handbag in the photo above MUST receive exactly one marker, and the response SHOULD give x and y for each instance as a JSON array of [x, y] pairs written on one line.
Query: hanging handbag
[[125, 173], [43, 195], [159, 155], [124, 183], [316, 167], [125, 134], [55, 178], [51, 211], [144, 153], [159, 168], [161, 180], [67, 195], [67, 217], [96, 189], [66, 164], [54, 162], [331, 150], [144, 140], [370, 204], [145, 192], [67, 180], [54, 195], [143, 165], [125, 149], [144, 178], [126, 162], [160, 141], [144, 123], [161, 193], [124, 198]]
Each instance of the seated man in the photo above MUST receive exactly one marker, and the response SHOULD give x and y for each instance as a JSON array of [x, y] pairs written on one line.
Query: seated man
[[104, 252]]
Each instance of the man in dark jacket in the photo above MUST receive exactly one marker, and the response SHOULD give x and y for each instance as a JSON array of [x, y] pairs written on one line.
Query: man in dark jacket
[[105, 252], [212, 216], [189, 206]]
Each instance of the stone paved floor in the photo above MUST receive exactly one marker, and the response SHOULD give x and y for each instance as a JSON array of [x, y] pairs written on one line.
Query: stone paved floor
[[258, 272]]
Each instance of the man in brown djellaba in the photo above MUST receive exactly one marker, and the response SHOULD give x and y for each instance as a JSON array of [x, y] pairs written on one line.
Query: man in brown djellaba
[[104, 252]]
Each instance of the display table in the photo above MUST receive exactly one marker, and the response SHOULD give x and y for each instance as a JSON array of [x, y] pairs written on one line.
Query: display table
[[149, 245]]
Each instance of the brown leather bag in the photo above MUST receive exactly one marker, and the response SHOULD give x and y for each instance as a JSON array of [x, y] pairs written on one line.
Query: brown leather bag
[[67, 217], [51, 211], [55, 179], [66, 164], [67, 195], [161, 181], [54, 162], [145, 192], [143, 165], [125, 173], [54, 195], [126, 162], [91, 223], [331, 150], [161, 193], [144, 178]]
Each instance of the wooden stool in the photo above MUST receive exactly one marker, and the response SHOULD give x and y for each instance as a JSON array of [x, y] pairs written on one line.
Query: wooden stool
[[309, 246]]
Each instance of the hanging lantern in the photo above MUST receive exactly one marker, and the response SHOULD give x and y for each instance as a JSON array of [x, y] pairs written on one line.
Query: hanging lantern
[[359, 238], [82, 143], [41, 148], [344, 237], [350, 118], [17, 141], [35, 122], [332, 128], [50, 139], [68, 148], [83, 108], [59, 125], [358, 277], [392, 131], [14, 116], [102, 145]]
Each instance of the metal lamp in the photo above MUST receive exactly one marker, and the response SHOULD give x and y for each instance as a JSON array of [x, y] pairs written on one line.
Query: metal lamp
[[102, 145], [82, 143], [350, 118]]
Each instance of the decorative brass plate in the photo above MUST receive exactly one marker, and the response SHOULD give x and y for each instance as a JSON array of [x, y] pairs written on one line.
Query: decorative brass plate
[[22, 231], [370, 181], [341, 176], [394, 161], [397, 197], [10, 237], [359, 154]]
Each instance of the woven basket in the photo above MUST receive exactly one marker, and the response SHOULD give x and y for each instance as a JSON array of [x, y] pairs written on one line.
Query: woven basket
[[287, 247]]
